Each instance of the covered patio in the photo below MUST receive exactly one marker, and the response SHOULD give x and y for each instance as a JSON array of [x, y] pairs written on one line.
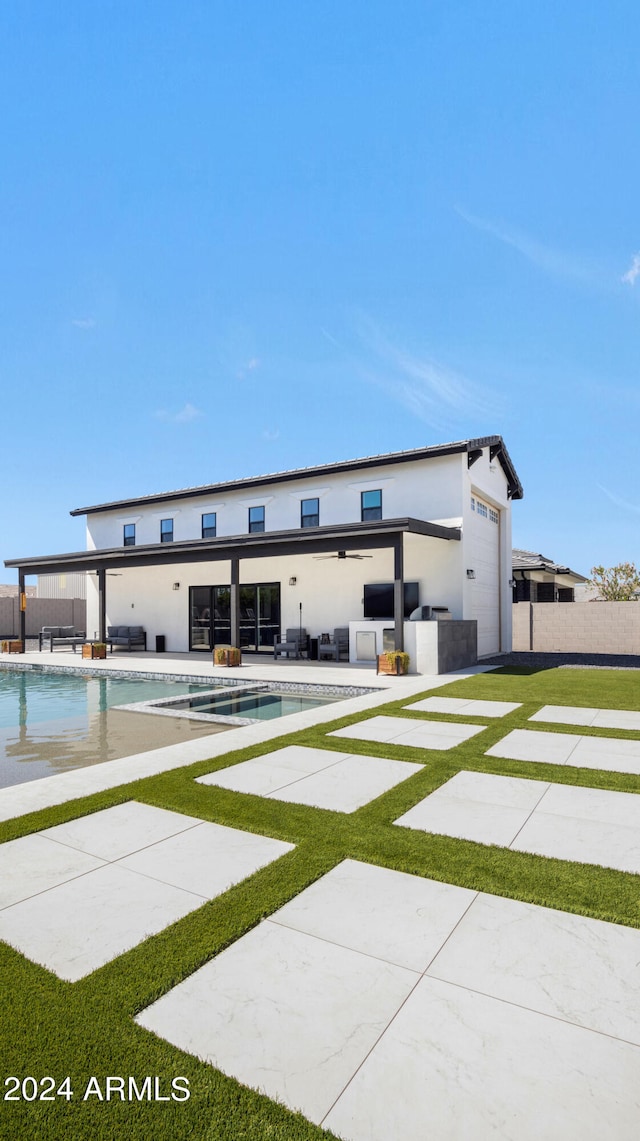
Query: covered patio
[[340, 541]]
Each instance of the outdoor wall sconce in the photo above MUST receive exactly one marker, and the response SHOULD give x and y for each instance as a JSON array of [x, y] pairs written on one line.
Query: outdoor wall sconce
[[176, 586], [471, 574], [512, 582], [293, 580]]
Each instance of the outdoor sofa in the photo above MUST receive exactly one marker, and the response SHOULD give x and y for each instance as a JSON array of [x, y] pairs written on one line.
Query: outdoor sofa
[[127, 636], [61, 636]]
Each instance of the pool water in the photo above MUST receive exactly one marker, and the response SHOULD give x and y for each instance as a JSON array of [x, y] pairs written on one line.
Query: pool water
[[257, 704], [54, 722]]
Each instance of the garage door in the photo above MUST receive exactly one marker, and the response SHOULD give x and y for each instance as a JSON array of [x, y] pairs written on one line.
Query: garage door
[[485, 530]]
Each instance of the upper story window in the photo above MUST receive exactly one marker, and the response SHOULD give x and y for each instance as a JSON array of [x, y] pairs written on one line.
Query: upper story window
[[209, 525], [129, 534], [166, 530], [370, 505], [310, 513], [256, 520]]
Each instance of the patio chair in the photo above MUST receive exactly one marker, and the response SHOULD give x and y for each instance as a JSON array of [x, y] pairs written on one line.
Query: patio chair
[[294, 645], [336, 647]]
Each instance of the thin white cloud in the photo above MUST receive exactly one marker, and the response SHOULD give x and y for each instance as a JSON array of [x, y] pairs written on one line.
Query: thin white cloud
[[329, 338], [623, 503], [84, 323], [250, 366], [551, 260], [430, 390], [633, 272], [185, 416]]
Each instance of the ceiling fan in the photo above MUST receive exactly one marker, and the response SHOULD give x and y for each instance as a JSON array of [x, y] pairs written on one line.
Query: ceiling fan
[[343, 555]]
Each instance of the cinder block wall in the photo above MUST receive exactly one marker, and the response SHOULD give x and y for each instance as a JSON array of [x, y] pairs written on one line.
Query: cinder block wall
[[42, 612], [577, 627]]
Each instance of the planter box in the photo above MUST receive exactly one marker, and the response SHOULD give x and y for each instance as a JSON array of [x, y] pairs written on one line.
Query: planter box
[[94, 650], [393, 663], [11, 646], [226, 656]]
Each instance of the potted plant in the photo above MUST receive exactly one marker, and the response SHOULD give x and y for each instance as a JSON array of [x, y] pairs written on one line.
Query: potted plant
[[96, 650], [11, 646], [393, 662], [226, 656]]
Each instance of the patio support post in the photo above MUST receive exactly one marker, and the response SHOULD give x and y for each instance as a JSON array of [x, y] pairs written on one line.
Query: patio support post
[[22, 612], [398, 593], [234, 602], [102, 605]]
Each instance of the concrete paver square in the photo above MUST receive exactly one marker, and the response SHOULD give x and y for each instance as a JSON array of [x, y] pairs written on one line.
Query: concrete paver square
[[349, 784], [609, 753], [410, 921], [404, 731], [379, 728], [487, 788], [476, 806], [579, 715], [252, 777], [565, 715], [585, 841], [273, 771], [33, 864], [284, 1012], [530, 745], [118, 831], [301, 759], [455, 1064], [579, 969], [473, 708], [605, 805], [206, 860], [448, 816], [82, 924]]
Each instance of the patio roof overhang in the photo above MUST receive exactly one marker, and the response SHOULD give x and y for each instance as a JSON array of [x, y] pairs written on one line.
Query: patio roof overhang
[[309, 540], [379, 534]]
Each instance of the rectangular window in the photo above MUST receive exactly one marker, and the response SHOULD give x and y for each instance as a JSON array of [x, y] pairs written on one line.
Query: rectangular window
[[209, 525], [370, 505], [481, 508], [473, 503], [166, 530], [493, 515], [256, 520], [129, 534], [310, 513]]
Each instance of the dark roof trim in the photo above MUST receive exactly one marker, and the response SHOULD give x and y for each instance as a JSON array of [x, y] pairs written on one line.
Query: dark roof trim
[[495, 443], [310, 540]]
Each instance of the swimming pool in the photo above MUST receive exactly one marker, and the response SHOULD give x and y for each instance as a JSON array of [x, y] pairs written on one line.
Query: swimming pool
[[54, 722], [250, 704]]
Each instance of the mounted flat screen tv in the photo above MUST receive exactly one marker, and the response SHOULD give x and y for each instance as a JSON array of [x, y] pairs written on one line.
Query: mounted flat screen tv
[[378, 599]]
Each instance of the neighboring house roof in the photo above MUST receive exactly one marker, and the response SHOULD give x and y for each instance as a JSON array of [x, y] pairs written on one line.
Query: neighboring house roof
[[530, 561], [8, 590], [473, 448]]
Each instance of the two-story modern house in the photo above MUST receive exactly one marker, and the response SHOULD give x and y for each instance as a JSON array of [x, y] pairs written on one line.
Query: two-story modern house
[[239, 562]]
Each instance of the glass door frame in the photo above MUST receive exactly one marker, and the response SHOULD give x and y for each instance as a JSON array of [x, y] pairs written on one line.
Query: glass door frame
[[257, 632]]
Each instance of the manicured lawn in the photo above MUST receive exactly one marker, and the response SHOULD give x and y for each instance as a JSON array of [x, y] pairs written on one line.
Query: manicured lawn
[[86, 1028]]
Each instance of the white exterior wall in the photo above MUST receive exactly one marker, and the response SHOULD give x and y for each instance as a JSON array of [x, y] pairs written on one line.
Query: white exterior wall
[[330, 590], [425, 489]]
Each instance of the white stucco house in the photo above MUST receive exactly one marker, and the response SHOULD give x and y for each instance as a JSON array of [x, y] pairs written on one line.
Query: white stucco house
[[356, 543]]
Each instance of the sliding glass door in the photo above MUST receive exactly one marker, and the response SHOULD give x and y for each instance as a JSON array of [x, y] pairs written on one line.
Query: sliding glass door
[[259, 616]]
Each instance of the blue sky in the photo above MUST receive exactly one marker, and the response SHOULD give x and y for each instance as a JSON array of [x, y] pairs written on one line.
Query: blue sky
[[240, 238]]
